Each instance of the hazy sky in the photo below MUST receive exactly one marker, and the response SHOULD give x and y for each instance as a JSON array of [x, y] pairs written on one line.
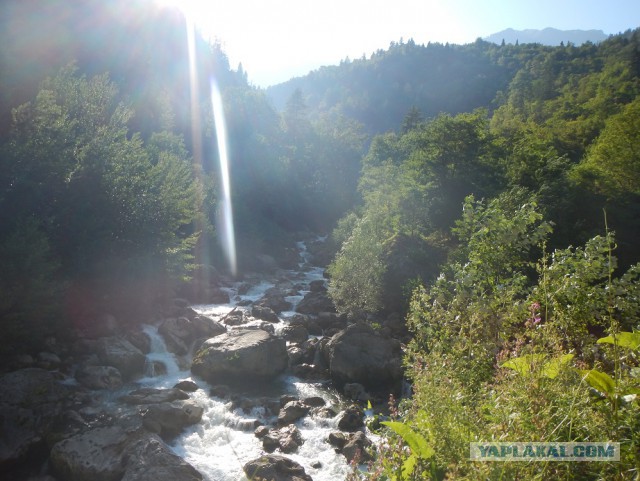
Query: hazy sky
[[278, 39]]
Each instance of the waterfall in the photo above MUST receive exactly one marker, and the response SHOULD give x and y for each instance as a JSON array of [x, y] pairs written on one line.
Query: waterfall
[[159, 354]]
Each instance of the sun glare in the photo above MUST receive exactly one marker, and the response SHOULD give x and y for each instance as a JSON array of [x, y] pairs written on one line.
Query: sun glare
[[195, 11], [189, 8]]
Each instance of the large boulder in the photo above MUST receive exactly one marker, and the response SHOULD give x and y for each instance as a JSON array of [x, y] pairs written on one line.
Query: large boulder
[[149, 459], [291, 412], [315, 303], [287, 439], [205, 327], [240, 355], [114, 453], [359, 354], [121, 354], [99, 377], [178, 334], [169, 419], [296, 333], [150, 395], [352, 419], [264, 313], [95, 455], [274, 299], [30, 401], [354, 446], [275, 468]]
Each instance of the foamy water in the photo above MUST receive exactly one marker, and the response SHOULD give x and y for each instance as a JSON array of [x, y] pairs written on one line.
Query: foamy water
[[224, 440]]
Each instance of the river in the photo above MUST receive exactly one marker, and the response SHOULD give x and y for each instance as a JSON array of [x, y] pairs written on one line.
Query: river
[[224, 440]]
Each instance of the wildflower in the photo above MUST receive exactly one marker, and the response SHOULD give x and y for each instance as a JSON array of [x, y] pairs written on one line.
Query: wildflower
[[535, 318]]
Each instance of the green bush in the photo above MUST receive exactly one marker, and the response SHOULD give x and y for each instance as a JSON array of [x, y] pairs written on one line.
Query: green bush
[[503, 354]]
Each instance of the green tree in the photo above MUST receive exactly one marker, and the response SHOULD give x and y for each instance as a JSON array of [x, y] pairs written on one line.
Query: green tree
[[612, 164], [113, 209], [412, 120], [466, 311], [357, 271]]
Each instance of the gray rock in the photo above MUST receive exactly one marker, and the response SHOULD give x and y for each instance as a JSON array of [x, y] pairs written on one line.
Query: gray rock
[[290, 439], [264, 313], [296, 334], [116, 454], [104, 325], [155, 368], [296, 355], [291, 412], [275, 299], [67, 424], [239, 356], [49, 360], [358, 354], [314, 401], [207, 327], [99, 377], [141, 340], [218, 296], [95, 455], [169, 419], [24, 360], [275, 468], [149, 459], [315, 303], [337, 440], [154, 396], [355, 448], [20, 434], [352, 419], [32, 387], [187, 386], [30, 401], [236, 318], [178, 334], [270, 443], [318, 286], [121, 354], [356, 392]]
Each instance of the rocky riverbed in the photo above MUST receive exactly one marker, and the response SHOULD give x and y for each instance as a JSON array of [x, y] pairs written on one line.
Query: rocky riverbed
[[261, 380]]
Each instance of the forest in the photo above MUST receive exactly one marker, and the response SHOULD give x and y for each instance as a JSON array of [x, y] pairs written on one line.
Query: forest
[[486, 195]]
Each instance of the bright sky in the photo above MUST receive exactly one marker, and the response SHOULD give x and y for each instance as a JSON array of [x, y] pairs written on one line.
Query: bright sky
[[279, 39]]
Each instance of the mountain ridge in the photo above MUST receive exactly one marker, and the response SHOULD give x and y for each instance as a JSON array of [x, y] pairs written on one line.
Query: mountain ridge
[[547, 36]]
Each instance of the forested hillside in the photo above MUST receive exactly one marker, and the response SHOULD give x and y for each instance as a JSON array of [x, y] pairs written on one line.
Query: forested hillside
[[506, 236], [109, 172], [482, 202], [378, 91]]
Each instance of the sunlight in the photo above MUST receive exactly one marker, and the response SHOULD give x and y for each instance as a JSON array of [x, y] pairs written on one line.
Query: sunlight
[[188, 7], [226, 228], [228, 234]]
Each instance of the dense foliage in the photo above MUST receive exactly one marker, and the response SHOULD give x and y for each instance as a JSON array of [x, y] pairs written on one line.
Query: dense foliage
[[509, 326], [496, 209], [563, 128], [109, 169]]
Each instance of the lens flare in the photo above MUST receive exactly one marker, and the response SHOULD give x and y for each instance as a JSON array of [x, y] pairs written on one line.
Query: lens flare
[[228, 233], [225, 221]]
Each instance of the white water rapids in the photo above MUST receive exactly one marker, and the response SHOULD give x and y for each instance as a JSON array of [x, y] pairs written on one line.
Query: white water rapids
[[224, 440]]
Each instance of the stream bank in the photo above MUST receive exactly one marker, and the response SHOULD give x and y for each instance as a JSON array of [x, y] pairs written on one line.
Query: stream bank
[[135, 396]]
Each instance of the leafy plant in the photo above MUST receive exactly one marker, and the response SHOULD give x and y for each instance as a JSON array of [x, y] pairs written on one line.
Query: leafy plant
[[532, 363], [629, 340], [420, 448]]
